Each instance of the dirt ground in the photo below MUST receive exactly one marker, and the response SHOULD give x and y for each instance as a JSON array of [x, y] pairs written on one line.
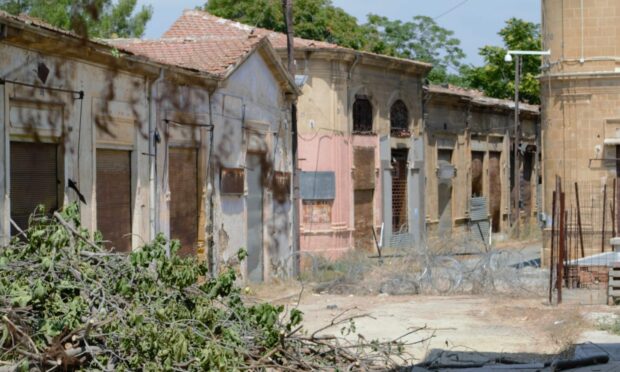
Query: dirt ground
[[482, 324]]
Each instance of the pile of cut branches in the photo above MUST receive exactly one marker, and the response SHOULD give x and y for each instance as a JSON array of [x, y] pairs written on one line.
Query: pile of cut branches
[[68, 304]]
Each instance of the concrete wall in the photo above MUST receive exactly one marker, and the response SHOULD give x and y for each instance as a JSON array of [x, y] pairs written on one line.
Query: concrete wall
[[326, 142], [580, 88]]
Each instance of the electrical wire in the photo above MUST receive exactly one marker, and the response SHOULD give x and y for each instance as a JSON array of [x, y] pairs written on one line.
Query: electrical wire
[[451, 9]]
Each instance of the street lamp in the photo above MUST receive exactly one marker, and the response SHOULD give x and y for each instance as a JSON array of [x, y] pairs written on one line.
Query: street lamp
[[517, 128]]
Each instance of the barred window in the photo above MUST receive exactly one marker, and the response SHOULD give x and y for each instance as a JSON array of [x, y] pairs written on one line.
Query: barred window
[[399, 117], [362, 115]]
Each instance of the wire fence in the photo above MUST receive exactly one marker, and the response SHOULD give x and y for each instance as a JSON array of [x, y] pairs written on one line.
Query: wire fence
[[579, 253]]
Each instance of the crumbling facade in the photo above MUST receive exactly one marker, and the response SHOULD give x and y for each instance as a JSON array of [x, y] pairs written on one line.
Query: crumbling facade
[[151, 143], [360, 153], [580, 89], [468, 144]]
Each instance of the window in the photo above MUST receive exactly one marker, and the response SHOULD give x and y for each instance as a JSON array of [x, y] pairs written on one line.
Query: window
[[362, 115], [399, 119]]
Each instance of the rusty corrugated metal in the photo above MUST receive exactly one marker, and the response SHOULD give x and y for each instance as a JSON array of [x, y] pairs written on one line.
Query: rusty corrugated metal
[[34, 179], [114, 198], [183, 180]]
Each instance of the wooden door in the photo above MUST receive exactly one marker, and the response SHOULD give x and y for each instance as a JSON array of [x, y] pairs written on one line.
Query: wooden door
[[477, 167], [495, 189], [34, 180], [363, 215], [114, 198], [183, 182]]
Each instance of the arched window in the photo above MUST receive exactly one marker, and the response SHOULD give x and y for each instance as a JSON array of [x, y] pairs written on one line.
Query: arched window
[[362, 115], [399, 118]]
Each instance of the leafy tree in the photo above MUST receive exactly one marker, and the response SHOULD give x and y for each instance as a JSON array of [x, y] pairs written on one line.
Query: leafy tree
[[421, 39], [94, 18], [312, 19], [496, 77]]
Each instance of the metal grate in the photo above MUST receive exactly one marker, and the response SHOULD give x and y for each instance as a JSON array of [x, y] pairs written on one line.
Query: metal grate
[[479, 218], [362, 116]]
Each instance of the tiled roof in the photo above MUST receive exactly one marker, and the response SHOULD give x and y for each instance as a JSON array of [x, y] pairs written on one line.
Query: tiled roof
[[196, 23], [213, 55], [479, 98]]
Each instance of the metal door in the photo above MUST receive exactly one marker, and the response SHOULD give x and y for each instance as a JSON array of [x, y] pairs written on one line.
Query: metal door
[[34, 180], [444, 191], [495, 189], [254, 205], [399, 191], [183, 180], [363, 215], [114, 198]]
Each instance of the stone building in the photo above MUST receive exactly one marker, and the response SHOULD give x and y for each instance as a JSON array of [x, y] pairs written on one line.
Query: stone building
[[360, 153], [468, 144], [193, 145], [580, 88]]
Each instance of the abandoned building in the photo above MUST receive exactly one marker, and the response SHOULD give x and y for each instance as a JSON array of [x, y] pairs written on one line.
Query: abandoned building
[[360, 154], [196, 147], [468, 145], [580, 90]]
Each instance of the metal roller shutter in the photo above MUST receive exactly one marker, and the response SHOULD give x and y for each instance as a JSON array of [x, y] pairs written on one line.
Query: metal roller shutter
[[114, 198], [34, 179], [183, 178]]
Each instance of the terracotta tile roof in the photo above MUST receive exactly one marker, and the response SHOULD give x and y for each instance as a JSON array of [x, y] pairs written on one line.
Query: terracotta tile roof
[[196, 23], [213, 55]]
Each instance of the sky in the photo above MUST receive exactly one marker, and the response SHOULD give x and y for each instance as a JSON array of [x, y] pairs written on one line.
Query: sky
[[474, 22]]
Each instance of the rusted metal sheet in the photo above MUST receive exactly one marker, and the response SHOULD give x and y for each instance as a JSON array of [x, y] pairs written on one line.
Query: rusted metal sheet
[[363, 214], [183, 180], [477, 166], [114, 198], [364, 168], [34, 180], [399, 191], [317, 212], [232, 180], [495, 189], [282, 186], [444, 192]]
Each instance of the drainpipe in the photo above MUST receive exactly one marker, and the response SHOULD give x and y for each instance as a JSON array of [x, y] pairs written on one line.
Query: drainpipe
[[210, 246], [153, 139]]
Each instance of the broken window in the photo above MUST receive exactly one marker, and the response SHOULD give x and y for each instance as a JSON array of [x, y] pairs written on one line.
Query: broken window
[[362, 115], [399, 119], [232, 181]]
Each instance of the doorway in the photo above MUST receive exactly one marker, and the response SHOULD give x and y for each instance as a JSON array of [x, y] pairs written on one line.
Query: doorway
[[444, 190], [183, 181], [399, 190], [495, 189], [477, 167], [34, 180], [254, 205], [114, 198]]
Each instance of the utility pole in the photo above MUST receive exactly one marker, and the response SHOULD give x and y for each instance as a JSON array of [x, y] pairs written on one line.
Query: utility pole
[[287, 10], [517, 173]]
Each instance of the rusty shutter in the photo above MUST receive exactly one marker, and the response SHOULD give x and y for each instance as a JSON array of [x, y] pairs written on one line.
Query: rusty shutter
[[364, 168], [183, 179], [34, 179], [363, 214], [495, 189], [114, 198]]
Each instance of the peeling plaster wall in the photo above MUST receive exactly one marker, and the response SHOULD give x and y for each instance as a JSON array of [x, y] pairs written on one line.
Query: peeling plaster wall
[[452, 124], [250, 114], [113, 114], [326, 142]]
